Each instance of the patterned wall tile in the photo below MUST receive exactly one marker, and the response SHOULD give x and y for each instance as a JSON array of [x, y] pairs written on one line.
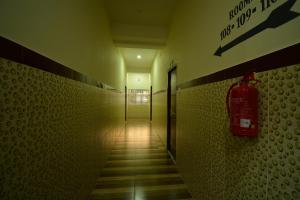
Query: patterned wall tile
[[284, 148], [246, 158], [217, 165], [38, 116], [159, 116], [201, 139], [55, 133], [185, 138], [14, 145], [217, 135]]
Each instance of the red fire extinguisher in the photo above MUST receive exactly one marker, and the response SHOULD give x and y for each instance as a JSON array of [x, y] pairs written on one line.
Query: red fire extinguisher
[[242, 106]]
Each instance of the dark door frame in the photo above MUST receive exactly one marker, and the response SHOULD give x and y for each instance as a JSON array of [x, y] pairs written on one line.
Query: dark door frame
[[169, 108], [125, 103], [151, 103]]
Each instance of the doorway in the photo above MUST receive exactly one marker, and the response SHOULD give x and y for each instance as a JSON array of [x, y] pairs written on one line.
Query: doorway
[[171, 121], [138, 96]]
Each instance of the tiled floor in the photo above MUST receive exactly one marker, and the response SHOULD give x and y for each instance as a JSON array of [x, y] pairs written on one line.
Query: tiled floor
[[139, 168]]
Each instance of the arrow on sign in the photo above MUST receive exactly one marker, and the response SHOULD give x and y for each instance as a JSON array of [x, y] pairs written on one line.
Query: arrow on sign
[[278, 17]]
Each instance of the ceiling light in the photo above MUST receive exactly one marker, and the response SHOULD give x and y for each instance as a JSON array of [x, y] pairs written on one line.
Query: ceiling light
[[139, 57]]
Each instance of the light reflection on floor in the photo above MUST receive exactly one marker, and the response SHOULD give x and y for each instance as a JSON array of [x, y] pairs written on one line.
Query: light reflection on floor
[[139, 168]]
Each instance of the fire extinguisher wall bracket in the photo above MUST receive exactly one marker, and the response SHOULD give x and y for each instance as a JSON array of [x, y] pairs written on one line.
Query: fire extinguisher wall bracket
[[242, 106]]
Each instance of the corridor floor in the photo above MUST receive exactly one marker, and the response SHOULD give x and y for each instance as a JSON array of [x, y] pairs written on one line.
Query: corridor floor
[[139, 168]]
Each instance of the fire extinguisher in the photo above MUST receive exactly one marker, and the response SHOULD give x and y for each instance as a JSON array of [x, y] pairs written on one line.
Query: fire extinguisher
[[242, 106]]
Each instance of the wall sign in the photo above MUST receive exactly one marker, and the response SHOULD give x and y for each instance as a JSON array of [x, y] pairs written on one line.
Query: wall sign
[[245, 12]]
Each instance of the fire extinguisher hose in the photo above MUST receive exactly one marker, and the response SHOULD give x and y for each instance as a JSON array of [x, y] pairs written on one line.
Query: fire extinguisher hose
[[227, 97]]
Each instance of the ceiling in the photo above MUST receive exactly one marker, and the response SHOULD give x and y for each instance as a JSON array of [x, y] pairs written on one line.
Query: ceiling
[[140, 12], [139, 27], [132, 62]]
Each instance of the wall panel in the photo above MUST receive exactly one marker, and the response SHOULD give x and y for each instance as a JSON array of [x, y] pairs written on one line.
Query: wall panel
[[55, 133], [217, 165], [159, 118]]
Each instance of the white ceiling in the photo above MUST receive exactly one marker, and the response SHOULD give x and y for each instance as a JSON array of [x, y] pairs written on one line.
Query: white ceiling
[[131, 60], [139, 27]]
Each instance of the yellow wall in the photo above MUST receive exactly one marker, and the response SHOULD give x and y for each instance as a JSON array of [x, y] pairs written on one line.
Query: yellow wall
[[195, 36], [74, 33], [138, 81], [219, 166], [56, 133], [159, 71], [224, 166], [159, 116]]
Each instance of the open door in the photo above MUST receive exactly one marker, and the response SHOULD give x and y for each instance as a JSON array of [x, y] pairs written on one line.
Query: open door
[[171, 128]]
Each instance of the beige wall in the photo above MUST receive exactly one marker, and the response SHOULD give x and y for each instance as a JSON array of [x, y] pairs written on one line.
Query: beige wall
[[195, 36], [74, 33]]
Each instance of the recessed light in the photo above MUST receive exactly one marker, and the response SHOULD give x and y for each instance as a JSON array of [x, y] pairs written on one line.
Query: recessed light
[[139, 57]]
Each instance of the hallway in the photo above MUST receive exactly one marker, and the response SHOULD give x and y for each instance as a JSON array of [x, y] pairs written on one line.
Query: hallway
[[139, 168], [98, 96]]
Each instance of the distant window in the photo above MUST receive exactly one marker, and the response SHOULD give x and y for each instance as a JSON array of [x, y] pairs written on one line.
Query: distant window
[[136, 96]]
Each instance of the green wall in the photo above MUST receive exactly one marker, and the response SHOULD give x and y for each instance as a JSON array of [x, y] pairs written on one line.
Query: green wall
[[73, 33]]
